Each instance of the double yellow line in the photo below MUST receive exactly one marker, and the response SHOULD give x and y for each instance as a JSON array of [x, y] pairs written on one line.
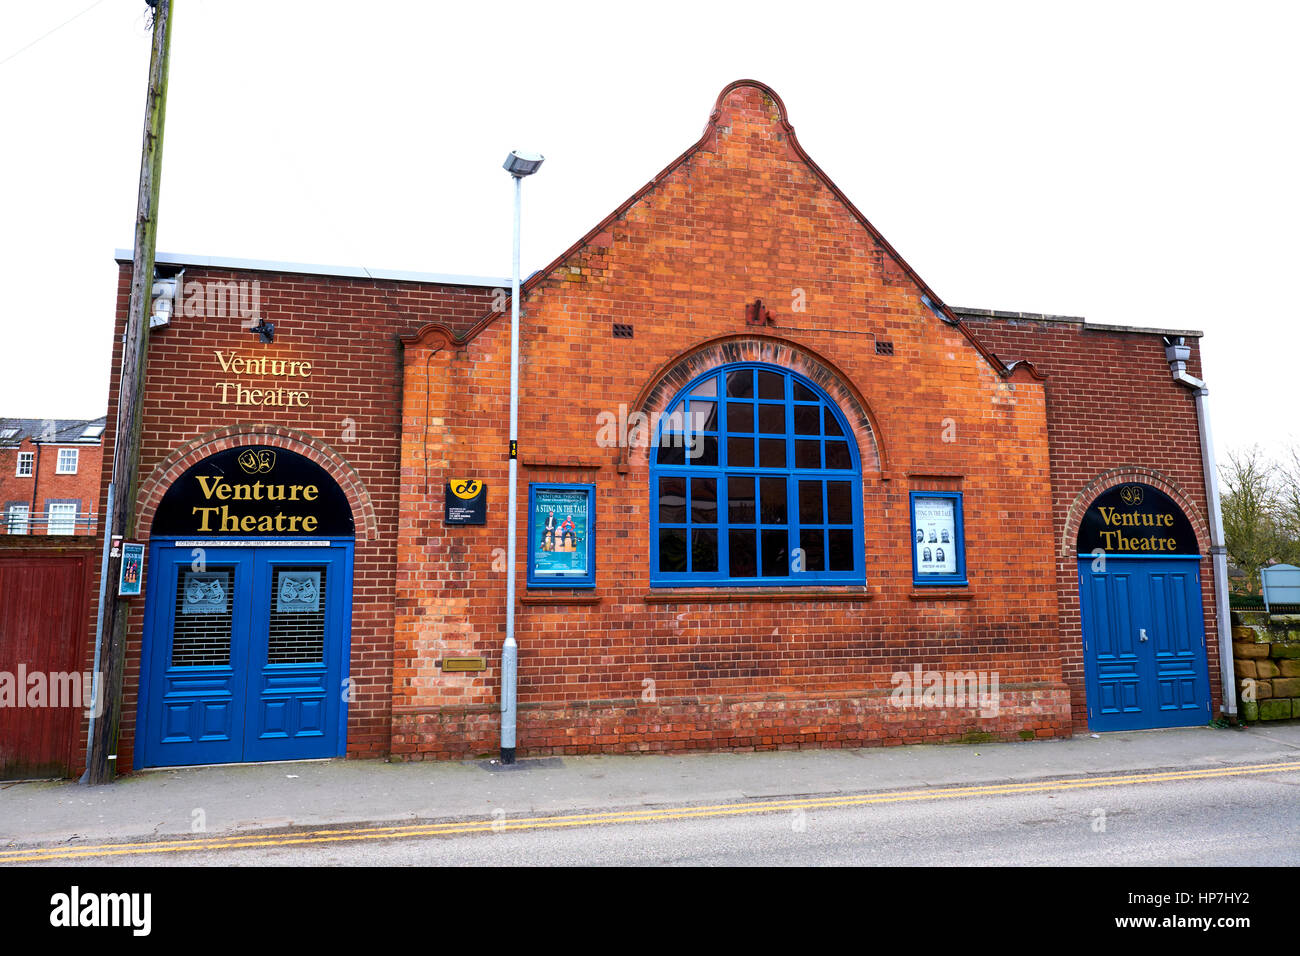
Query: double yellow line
[[479, 825]]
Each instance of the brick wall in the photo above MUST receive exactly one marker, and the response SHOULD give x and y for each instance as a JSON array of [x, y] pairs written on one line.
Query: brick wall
[[1114, 415], [349, 330], [742, 216]]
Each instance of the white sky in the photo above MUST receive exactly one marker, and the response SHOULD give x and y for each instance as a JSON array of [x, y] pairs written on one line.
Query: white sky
[[1134, 163]]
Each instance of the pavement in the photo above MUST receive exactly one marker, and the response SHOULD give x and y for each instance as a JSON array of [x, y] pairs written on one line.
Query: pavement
[[255, 797]]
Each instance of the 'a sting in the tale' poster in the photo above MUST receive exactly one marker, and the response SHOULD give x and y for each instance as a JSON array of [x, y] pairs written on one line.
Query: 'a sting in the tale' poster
[[560, 544], [935, 535]]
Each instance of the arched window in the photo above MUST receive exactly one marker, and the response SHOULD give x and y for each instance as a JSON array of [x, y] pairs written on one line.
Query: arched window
[[755, 480]]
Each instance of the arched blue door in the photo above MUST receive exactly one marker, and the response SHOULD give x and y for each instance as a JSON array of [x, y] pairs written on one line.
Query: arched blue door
[[1144, 640], [247, 615]]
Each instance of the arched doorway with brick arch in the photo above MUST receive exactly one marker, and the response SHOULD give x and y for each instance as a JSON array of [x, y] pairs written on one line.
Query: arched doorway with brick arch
[[1137, 542], [247, 631]]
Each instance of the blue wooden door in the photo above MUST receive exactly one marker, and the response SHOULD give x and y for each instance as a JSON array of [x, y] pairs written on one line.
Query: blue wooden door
[[295, 685], [1144, 644], [245, 654]]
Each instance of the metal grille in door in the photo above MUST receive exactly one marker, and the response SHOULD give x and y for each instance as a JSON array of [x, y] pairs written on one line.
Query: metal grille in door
[[297, 625], [204, 607]]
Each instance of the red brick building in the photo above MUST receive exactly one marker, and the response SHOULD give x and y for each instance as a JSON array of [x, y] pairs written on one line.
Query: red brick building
[[1111, 401], [49, 475], [774, 493]]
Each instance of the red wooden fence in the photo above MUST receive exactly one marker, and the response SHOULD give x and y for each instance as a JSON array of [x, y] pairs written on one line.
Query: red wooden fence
[[43, 624]]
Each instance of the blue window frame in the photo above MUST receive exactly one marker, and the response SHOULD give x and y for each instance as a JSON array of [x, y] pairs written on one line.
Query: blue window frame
[[755, 480], [938, 539]]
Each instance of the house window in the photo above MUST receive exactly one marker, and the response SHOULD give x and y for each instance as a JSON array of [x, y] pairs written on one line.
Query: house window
[[16, 518], [938, 539], [61, 519], [67, 463], [755, 480], [26, 463]]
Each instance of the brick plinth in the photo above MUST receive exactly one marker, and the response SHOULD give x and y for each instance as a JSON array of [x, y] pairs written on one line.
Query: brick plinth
[[758, 722]]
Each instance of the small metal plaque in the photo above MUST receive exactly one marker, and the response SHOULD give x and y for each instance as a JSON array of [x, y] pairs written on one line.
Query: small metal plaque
[[464, 664]]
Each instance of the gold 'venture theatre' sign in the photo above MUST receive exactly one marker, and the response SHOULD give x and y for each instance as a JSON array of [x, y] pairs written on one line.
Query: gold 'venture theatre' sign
[[254, 491], [1136, 519], [236, 392]]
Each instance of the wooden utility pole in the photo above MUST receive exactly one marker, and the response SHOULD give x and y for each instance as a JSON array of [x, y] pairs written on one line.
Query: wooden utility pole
[[101, 758]]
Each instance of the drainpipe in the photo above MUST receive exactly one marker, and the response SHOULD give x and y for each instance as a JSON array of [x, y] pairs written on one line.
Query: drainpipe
[[1177, 353], [36, 484]]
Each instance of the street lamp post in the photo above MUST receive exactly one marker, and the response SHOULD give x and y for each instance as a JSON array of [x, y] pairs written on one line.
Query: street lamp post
[[518, 165]]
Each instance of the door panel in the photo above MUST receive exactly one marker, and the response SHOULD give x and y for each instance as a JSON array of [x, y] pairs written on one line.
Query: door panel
[[198, 627], [294, 671], [1144, 644], [1118, 675], [1176, 620]]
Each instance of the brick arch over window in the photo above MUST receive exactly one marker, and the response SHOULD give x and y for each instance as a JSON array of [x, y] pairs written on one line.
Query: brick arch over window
[[1124, 476], [670, 379], [274, 436]]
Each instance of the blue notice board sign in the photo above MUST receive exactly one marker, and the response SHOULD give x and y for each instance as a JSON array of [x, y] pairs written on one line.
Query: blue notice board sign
[[561, 535]]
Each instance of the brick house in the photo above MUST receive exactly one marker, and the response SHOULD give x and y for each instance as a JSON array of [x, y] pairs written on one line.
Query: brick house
[[50, 475], [774, 493]]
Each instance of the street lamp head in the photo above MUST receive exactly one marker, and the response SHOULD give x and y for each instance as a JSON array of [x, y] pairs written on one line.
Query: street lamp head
[[519, 164]]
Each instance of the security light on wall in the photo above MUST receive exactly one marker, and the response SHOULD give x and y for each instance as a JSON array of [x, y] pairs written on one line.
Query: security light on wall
[[519, 164], [165, 293], [264, 330]]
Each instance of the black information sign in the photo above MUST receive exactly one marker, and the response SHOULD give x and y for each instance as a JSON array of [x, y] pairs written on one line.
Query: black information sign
[[465, 502], [254, 492], [1136, 519]]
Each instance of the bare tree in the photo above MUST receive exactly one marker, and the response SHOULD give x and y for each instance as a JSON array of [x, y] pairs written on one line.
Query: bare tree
[[1288, 508], [1252, 509]]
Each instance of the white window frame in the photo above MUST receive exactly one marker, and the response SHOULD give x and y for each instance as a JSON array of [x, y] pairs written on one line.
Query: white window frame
[[18, 519], [73, 455], [28, 458], [67, 519]]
